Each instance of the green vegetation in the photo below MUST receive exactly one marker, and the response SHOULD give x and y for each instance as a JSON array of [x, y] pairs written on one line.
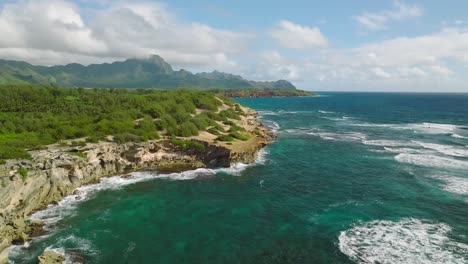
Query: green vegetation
[[34, 116], [23, 173], [225, 138], [239, 136], [188, 144], [153, 72], [263, 93]]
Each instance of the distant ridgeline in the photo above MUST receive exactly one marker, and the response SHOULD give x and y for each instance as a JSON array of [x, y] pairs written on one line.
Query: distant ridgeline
[[153, 72]]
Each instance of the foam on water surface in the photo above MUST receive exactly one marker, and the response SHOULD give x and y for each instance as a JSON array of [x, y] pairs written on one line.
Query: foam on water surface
[[445, 149], [453, 184], [432, 161], [407, 241]]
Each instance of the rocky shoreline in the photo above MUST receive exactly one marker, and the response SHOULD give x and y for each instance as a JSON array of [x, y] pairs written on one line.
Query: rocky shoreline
[[28, 186]]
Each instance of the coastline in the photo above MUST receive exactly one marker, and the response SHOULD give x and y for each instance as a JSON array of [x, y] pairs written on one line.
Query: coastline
[[57, 172]]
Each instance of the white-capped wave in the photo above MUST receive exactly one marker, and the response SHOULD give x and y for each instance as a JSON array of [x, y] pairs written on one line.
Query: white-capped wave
[[345, 136], [325, 112], [389, 143], [406, 150], [236, 169], [343, 118], [432, 161], [457, 185], [445, 149], [458, 136], [267, 113], [424, 128], [406, 241], [271, 125], [433, 128], [75, 243]]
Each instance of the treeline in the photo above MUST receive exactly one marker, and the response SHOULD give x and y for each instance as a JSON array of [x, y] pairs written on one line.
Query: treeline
[[263, 93], [34, 116]]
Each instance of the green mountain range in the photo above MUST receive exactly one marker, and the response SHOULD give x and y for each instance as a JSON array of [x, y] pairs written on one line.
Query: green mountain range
[[153, 72]]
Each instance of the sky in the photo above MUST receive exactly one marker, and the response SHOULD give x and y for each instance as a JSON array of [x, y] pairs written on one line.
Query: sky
[[334, 45]]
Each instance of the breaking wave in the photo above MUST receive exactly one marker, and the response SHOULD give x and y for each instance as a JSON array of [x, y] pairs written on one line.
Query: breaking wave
[[407, 241], [432, 161], [66, 207], [445, 149], [452, 184]]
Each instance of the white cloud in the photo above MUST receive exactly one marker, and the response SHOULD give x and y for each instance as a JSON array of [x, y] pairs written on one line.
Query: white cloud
[[295, 36], [412, 72], [441, 70], [378, 20], [395, 64], [378, 72], [118, 31]]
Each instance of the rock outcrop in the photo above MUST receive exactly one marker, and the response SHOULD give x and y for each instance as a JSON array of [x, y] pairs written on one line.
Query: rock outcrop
[[27, 186], [51, 257]]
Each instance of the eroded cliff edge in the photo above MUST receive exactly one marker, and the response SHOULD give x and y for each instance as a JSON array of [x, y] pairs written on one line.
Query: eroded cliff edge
[[27, 186]]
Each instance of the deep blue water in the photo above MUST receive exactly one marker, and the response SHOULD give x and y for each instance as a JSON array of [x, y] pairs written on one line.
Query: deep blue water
[[352, 178]]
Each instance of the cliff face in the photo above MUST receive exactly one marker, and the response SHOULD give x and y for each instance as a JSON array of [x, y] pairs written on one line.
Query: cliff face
[[30, 185]]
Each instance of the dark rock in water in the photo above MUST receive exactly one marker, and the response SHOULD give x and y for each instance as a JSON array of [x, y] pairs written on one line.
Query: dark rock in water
[[127, 176], [205, 175], [75, 256]]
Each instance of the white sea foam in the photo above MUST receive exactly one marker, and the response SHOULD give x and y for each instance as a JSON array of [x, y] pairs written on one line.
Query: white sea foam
[[271, 125], [75, 243], [236, 169], [267, 113], [389, 143], [344, 118], [457, 185], [433, 128], [425, 128], [325, 112], [406, 150], [346, 136], [407, 241], [445, 149], [458, 136], [432, 161], [66, 207]]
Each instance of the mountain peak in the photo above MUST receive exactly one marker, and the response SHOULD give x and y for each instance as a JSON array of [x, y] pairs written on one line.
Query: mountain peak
[[150, 72]]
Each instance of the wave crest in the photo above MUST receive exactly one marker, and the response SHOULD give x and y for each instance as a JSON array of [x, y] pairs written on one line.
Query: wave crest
[[407, 241]]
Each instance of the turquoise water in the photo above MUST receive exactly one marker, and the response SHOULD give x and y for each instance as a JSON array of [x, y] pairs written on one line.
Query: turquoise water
[[352, 178]]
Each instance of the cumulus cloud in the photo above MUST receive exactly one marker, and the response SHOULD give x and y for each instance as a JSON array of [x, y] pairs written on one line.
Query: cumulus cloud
[[120, 30], [374, 21], [417, 63], [295, 36]]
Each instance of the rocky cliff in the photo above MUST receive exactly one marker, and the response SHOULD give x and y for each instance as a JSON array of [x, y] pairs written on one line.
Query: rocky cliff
[[55, 172]]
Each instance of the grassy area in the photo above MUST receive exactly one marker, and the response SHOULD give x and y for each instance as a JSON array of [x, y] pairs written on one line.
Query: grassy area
[[34, 116]]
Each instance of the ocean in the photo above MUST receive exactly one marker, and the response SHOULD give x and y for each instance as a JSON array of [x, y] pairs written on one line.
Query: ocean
[[351, 178]]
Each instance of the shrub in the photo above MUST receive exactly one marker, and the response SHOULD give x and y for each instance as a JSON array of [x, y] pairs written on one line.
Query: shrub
[[235, 128], [188, 144], [239, 136], [126, 137], [23, 173], [214, 131], [187, 129], [225, 138]]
